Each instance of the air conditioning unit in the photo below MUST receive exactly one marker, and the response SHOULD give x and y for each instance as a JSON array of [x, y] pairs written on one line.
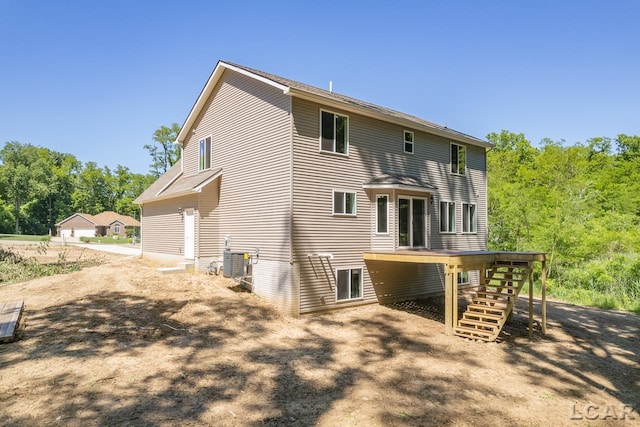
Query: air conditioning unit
[[234, 264]]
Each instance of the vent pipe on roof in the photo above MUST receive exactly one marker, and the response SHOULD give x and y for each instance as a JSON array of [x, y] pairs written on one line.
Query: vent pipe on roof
[[330, 86]]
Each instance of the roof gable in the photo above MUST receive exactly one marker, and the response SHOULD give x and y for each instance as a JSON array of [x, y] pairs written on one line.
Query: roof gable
[[322, 96]]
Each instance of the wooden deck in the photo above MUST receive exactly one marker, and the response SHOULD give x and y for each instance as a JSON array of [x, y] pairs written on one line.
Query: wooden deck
[[10, 313], [457, 261]]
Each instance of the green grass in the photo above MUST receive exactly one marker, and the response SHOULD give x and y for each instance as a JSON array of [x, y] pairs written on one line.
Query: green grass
[[107, 240], [586, 297], [25, 237]]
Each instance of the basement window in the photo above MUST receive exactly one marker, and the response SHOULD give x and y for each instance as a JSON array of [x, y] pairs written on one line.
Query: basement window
[[349, 284]]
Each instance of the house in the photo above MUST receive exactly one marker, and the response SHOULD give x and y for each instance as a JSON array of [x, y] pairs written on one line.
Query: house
[[106, 223], [302, 181]]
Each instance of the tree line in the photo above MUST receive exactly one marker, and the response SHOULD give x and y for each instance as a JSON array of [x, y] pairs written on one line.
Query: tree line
[[40, 187], [578, 203]]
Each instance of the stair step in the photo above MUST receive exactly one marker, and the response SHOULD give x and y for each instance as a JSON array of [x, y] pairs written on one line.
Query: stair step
[[486, 308], [478, 323], [490, 300], [494, 294], [473, 333], [482, 315]]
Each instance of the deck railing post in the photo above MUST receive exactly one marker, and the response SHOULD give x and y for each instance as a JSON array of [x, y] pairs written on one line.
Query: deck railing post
[[543, 280], [530, 302]]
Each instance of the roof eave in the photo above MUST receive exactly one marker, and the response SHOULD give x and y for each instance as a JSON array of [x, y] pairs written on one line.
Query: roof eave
[[208, 89], [403, 187], [453, 135]]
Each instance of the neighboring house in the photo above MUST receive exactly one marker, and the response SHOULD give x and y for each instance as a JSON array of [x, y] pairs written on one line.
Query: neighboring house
[[306, 180], [106, 223]]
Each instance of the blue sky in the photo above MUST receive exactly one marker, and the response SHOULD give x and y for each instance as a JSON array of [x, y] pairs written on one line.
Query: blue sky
[[95, 79]]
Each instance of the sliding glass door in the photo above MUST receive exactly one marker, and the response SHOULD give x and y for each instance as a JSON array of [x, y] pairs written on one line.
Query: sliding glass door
[[412, 222]]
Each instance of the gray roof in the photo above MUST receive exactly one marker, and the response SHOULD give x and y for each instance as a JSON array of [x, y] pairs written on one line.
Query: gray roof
[[173, 184], [357, 102], [389, 179]]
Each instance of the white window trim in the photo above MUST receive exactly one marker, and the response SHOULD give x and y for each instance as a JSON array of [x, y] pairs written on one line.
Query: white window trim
[[355, 203], [376, 216], [346, 300], [467, 204], [404, 142], [464, 173], [461, 280], [210, 137], [334, 152], [455, 208], [426, 222]]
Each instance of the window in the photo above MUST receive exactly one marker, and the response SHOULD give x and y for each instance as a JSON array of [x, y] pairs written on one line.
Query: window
[[447, 217], [334, 133], [458, 159], [116, 228], [469, 218], [463, 278], [382, 214], [408, 142], [205, 153], [412, 223], [349, 284], [344, 203]]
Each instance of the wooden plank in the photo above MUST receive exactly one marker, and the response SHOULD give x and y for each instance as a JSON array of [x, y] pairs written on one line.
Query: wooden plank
[[10, 313], [530, 303]]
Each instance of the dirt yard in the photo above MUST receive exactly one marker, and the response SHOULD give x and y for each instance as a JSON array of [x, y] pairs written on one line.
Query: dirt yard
[[123, 344]]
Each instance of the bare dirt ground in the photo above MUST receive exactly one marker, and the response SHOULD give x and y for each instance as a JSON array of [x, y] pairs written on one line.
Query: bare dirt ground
[[121, 343]]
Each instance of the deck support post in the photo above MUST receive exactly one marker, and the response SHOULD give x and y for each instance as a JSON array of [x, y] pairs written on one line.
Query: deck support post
[[530, 303], [448, 300], [543, 303]]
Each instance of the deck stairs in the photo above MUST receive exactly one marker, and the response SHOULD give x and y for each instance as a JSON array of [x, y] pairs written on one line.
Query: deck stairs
[[493, 301]]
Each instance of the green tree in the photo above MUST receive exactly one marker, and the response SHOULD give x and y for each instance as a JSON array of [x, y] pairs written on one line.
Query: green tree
[[165, 153], [23, 176]]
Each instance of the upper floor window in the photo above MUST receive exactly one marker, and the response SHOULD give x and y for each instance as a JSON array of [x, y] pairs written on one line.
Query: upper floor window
[[469, 218], [334, 133], [344, 203], [447, 217], [408, 142], [458, 159], [382, 214], [205, 153]]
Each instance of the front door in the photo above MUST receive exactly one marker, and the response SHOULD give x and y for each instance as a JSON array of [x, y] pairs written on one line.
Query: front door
[[412, 222], [189, 234]]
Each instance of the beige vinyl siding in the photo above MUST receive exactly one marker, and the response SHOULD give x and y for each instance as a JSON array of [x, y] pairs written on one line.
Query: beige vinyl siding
[[375, 147], [163, 227], [209, 243], [249, 124]]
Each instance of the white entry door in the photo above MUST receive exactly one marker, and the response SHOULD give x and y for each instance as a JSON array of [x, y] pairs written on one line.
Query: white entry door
[[189, 234]]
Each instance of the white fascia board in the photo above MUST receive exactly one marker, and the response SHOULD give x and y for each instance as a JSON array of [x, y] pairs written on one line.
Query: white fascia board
[[208, 88], [169, 184], [283, 88], [199, 188], [386, 118], [397, 187]]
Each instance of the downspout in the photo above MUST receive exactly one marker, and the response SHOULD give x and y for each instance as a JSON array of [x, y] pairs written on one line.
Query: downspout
[[290, 179]]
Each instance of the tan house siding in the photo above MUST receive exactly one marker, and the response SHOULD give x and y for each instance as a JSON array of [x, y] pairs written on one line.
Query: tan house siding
[[163, 227], [375, 147], [249, 124]]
